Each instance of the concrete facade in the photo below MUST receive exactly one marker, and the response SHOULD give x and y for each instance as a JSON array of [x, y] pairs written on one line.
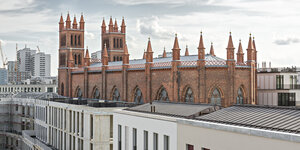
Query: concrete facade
[[41, 64]]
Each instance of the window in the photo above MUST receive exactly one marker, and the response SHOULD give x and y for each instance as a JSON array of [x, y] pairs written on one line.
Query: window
[[75, 58], [145, 140], [91, 126], [138, 96], [79, 43], [286, 99], [78, 93], [75, 43], [166, 142], [63, 40], [163, 94], [79, 59], [121, 43], [134, 139], [155, 141], [240, 97], [17, 107], [119, 137], [279, 82], [189, 98], [72, 40], [116, 95], [114, 43], [96, 94], [189, 147], [216, 97]]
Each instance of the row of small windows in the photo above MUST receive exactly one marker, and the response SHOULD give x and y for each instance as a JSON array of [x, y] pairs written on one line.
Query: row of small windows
[[118, 43], [20, 89], [155, 141], [216, 97], [75, 40]]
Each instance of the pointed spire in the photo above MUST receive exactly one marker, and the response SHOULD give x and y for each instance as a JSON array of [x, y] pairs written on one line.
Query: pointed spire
[[250, 43], [164, 53], [212, 51], [81, 22], [110, 26], [61, 23], [126, 55], [201, 49], [149, 53], [103, 26], [74, 23], [123, 26], [68, 21], [116, 26], [176, 44], [240, 54], [81, 18], [201, 44], [230, 43], [61, 19], [87, 55], [149, 47], [186, 51], [240, 49]]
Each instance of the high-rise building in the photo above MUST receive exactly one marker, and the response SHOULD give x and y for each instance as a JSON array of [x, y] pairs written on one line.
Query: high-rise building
[[3, 76], [11, 66], [24, 59], [40, 64]]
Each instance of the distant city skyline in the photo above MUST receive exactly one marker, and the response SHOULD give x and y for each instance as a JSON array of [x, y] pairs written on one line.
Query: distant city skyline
[[274, 24]]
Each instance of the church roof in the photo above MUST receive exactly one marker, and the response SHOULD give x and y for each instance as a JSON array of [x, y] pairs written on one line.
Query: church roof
[[191, 58]]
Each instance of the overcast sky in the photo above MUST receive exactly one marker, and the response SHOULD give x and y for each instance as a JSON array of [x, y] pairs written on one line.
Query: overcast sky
[[274, 23]]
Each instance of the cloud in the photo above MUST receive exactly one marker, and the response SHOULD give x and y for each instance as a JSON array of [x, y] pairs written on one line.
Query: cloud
[[287, 41], [150, 27], [8, 5], [89, 35], [139, 2]]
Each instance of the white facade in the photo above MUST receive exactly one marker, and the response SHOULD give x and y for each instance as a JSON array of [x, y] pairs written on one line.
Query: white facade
[[269, 88], [27, 88], [152, 124], [41, 64]]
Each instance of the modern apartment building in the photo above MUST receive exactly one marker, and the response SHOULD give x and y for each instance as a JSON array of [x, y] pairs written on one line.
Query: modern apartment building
[[24, 57], [40, 63], [168, 126], [278, 86], [49, 121]]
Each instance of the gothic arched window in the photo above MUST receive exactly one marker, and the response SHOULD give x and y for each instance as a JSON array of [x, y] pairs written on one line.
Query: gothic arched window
[[163, 95], [75, 43], [121, 43], [116, 95], [96, 94], [79, 43], [138, 96], [189, 97], [240, 97], [216, 97], [79, 93]]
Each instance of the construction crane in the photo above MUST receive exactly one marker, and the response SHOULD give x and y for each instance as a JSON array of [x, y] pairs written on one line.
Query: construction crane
[[4, 61]]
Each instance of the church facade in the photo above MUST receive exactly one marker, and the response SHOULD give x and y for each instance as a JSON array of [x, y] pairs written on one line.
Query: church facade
[[200, 78]]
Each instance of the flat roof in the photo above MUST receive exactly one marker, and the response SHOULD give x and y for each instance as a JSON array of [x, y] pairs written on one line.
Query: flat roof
[[274, 118]]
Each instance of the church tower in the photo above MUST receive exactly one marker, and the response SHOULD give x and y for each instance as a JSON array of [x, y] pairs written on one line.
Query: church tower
[[71, 51], [114, 39]]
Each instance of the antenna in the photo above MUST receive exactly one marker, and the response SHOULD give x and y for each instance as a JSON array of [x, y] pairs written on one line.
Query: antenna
[[38, 49]]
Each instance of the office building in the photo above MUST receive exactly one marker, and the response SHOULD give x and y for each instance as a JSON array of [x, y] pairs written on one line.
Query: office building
[[40, 63]]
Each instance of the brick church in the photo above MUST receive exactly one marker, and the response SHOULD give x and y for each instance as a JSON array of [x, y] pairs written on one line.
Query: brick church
[[200, 78]]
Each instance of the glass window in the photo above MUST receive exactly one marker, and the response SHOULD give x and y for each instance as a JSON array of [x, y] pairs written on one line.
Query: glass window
[[189, 97], [134, 139], [96, 94], [138, 96], [216, 97], [116, 95], [166, 142], [119, 137], [286, 99], [155, 141], [163, 94], [240, 97], [145, 140]]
